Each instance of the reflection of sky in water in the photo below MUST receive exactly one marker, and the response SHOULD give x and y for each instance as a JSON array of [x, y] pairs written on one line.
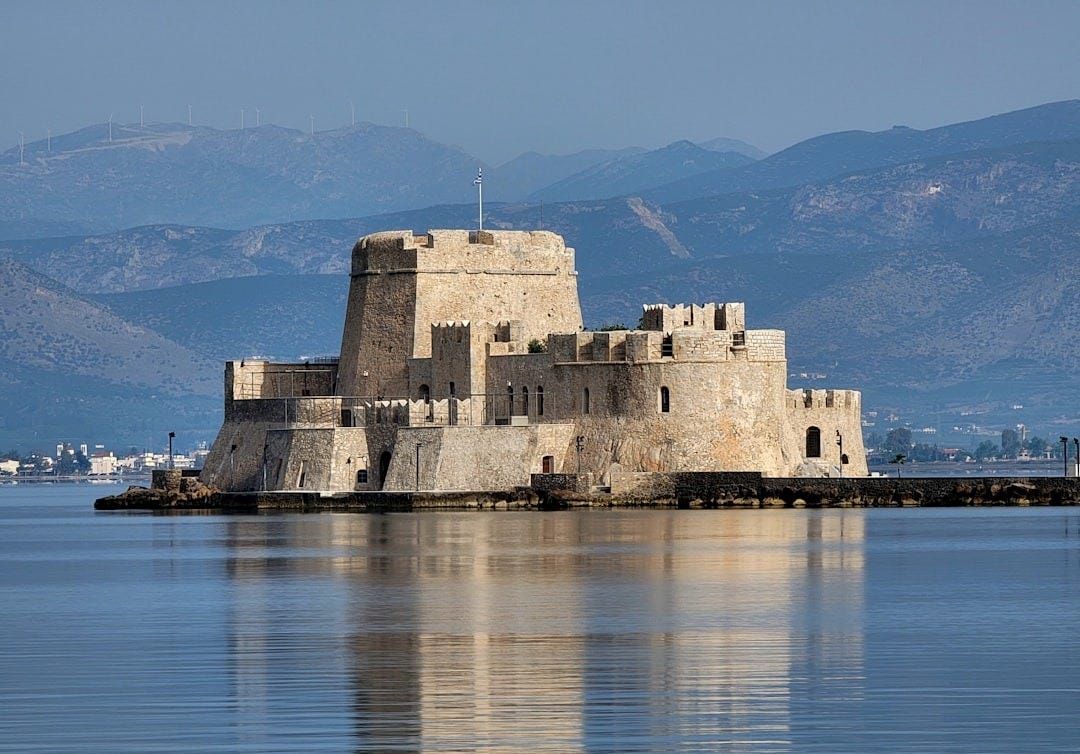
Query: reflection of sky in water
[[742, 631]]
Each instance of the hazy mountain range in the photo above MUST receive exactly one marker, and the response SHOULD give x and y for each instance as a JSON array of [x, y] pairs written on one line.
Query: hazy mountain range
[[932, 269]]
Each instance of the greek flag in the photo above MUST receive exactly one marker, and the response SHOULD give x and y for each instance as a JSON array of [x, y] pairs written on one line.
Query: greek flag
[[479, 176]]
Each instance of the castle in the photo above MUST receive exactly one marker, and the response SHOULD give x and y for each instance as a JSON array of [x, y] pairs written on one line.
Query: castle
[[464, 366]]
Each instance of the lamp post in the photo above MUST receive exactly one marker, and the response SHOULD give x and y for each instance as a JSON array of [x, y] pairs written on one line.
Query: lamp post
[[840, 442], [1076, 442], [171, 436], [1065, 452]]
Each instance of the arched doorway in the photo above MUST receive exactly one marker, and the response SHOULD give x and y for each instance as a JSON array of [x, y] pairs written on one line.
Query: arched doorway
[[384, 466], [813, 442]]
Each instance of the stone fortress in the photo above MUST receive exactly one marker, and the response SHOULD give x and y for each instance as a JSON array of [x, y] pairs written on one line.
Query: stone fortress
[[464, 366]]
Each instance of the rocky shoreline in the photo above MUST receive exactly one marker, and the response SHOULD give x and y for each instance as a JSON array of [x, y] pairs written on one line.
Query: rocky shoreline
[[173, 492]]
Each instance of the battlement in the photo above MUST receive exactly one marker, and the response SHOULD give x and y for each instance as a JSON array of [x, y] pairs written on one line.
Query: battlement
[[841, 400], [475, 252], [506, 331], [686, 344], [668, 318]]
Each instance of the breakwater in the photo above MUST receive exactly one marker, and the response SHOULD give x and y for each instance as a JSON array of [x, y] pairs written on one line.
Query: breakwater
[[674, 490]]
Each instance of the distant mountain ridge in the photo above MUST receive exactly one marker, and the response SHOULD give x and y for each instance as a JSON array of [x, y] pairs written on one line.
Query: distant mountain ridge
[[849, 151], [632, 174], [529, 172], [167, 173]]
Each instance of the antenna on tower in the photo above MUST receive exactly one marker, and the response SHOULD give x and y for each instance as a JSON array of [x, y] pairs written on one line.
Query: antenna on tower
[[48, 135], [352, 109], [189, 115], [241, 119], [258, 122], [312, 124], [406, 111], [141, 123], [21, 162], [110, 128]]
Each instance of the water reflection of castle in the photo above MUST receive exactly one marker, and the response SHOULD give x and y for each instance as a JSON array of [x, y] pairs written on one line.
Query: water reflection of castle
[[547, 632]]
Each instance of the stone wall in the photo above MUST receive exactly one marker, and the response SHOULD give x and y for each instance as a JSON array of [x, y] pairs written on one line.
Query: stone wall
[[474, 458], [254, 379]]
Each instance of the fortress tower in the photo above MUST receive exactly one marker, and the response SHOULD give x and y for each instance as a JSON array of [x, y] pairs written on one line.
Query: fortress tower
[[403, 284]]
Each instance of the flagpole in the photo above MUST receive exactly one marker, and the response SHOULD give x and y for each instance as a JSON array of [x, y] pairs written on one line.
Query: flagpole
[[480, 190]]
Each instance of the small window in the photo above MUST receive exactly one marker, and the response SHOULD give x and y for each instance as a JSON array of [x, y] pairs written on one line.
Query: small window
[[665, 400], [424, 393], [548, 464], [361, 476], [302, 476], [525, 401], [539, 401], [585, 401], [813, 442], [346, 417]]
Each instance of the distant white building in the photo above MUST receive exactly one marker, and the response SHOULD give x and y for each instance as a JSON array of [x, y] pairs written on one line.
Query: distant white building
[[102, 463], [9, 467]]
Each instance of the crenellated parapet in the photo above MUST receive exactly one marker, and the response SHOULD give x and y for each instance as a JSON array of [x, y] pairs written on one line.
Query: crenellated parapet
[[462, 251], [840, 400], [667, 318], [683, 344]]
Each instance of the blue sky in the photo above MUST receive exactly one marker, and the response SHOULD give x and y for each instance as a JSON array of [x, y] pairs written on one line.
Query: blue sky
[[500, 78]]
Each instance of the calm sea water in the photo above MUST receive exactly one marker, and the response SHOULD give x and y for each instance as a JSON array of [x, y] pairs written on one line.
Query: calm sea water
[[629, 631]]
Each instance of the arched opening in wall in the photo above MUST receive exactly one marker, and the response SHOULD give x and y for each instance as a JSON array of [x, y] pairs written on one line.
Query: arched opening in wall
[[665, 400], [525, 401], [539, 400], [425, 395], [384, 467], [547, 465], [509, 400], [585, 401], [813, 442]]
